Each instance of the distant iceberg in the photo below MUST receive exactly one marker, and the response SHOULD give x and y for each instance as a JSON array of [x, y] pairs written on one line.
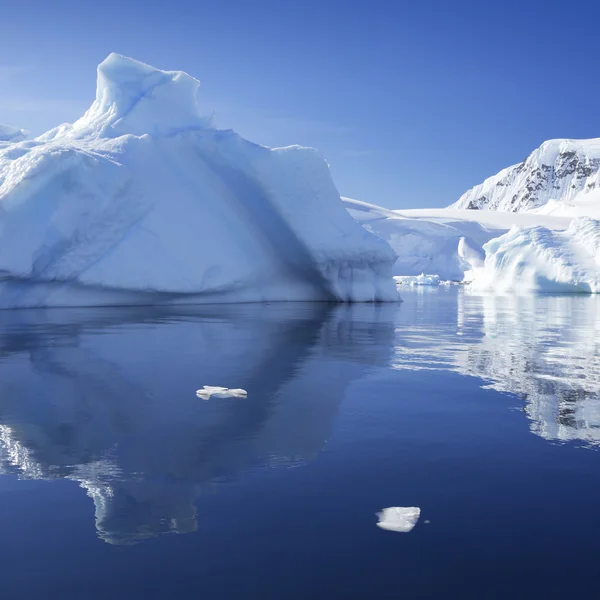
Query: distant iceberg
[[539, 259], [141, 201], [417, 280], [12, 134]]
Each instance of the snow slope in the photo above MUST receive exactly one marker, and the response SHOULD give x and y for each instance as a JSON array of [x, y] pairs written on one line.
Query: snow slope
[[560, 179], [445, 242], [564, 172], [142, 201], [11, 134], [538, 259]]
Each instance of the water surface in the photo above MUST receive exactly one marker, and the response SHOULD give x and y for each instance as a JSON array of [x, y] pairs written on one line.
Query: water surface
[[483, 411]]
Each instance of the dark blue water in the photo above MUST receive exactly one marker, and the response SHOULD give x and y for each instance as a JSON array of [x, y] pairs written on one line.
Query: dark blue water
[[118, 482]]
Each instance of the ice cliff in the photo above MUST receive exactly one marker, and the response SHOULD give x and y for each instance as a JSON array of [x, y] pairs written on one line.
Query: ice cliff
[[142, 201]]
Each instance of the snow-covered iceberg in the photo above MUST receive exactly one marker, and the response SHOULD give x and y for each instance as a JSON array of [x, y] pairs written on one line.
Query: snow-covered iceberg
[[539, 259], [142, 201], [11, 134]]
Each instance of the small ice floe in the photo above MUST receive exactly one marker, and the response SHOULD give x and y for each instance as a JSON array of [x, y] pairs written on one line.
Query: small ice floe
[[399, 518], [220, 392], [415, 280]]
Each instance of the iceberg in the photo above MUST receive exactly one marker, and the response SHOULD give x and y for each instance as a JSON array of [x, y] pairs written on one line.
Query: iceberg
[[542, 260], [11, 134], [142, 201]]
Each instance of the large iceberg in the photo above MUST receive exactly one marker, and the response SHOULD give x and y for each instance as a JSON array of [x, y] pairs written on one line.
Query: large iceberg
[[539, 259], [142, 201]]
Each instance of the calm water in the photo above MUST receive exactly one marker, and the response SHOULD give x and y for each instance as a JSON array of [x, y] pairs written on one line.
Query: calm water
[[482, 411]]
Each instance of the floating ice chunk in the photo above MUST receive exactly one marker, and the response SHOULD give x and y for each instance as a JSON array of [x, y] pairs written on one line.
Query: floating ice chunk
[[399, 518], [220, 392], [421, 279]]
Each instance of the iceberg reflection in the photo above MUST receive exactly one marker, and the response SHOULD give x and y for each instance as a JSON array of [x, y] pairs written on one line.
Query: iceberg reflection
[[546, 349], [106, 397]]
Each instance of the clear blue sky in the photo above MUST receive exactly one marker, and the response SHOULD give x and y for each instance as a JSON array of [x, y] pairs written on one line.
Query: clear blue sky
[[411, 102]]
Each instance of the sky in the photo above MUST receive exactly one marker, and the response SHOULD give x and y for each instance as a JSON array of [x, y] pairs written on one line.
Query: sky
[[411, 103]]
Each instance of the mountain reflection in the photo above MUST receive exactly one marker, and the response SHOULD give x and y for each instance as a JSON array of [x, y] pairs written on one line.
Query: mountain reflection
[[543, 348], [106, 397]]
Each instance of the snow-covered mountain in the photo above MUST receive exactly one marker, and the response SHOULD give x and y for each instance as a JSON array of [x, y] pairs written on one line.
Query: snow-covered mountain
[[559, 171], [142, 201]]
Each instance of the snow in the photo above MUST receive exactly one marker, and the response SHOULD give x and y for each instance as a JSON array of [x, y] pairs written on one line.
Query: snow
[[141, 201], [538, 259], [11, 134], [220, 392], [414, 280], [559, 171], [445, 242], [559, 180], [399, 518]]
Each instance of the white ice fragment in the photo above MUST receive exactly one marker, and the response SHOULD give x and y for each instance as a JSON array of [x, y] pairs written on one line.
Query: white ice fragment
[[399, 518], [220, 392], [414, 280]]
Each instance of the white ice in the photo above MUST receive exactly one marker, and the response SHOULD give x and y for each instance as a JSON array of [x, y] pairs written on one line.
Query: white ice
[[142, 201], [11, 134], [538, 259], [220, 392], [416, 280], [399, 518], [444, 242]]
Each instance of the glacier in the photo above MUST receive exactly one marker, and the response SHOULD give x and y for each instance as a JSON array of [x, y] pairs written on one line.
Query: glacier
[[561, 178], [143, 201], [530, 228], [445, 242]]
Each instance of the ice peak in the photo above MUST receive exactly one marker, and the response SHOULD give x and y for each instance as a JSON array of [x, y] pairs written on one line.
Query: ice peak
[[12, 134], [132, 97]]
